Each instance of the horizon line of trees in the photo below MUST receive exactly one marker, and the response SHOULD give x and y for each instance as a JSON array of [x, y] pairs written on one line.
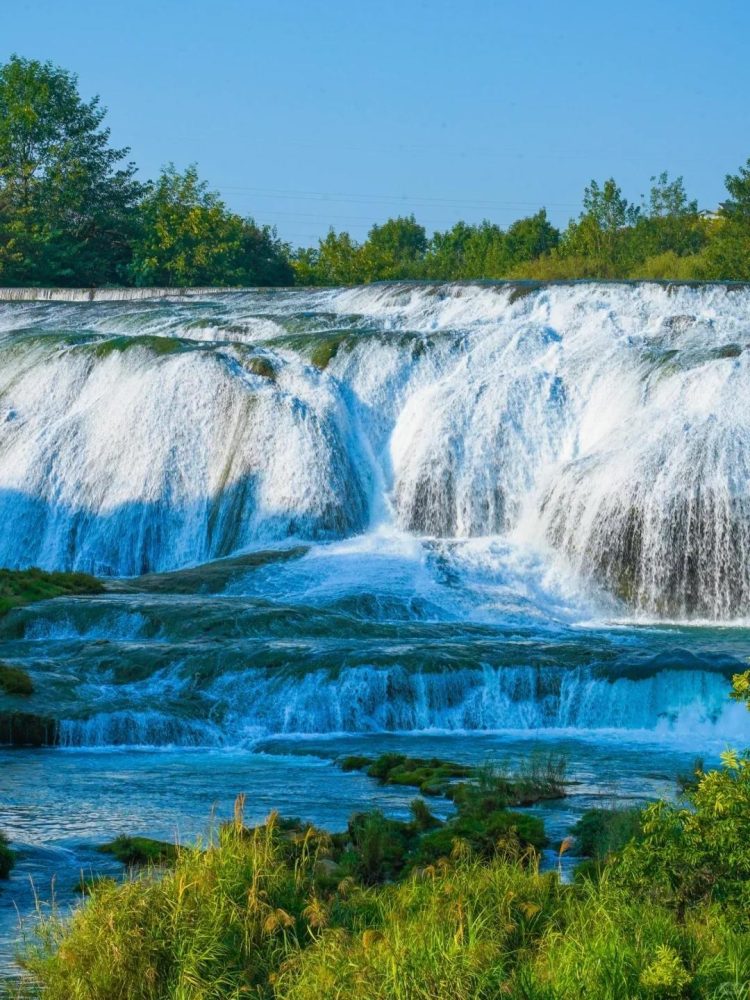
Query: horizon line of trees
[[72, 212]]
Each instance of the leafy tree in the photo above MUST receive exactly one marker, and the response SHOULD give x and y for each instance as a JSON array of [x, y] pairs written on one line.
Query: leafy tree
[[466, 252], [729, 250], [67, 200], [669, 223], [189, 237], [449, 251], [529, 238], [601, 234], [700, 852], [266, 258], [394, 250]]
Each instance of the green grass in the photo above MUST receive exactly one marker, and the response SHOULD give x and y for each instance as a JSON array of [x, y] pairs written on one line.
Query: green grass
[[389, 910], [250, 916], [22, 586], [15, 681]]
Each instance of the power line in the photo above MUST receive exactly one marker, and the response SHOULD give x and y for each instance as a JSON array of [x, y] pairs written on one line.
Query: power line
[[407, 199]]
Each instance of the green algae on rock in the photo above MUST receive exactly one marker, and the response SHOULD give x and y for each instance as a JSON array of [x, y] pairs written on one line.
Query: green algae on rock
[[22, 586]]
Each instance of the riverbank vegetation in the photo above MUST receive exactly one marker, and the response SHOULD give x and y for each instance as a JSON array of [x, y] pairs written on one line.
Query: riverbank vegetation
[[284, 911], [74, 212]]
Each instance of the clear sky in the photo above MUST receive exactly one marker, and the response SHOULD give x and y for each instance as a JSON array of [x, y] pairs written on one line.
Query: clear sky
[[307, 113]]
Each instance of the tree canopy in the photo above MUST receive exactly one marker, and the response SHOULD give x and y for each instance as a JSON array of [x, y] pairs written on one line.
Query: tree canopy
[[74, 212]]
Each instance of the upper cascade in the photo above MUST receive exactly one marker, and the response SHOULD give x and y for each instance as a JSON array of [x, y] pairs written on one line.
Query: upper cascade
[[604, 425]]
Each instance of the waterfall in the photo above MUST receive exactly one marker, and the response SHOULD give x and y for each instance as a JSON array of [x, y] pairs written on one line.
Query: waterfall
[[606, 424]]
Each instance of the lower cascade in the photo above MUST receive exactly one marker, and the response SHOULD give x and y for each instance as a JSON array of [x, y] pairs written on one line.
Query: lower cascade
[[686, 704]]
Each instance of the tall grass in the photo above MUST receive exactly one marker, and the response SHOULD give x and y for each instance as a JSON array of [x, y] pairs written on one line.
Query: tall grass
[[249, 917], [216, 925]]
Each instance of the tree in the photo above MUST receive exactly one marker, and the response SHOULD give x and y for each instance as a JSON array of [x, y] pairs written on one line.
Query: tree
[[394, 250], [669, 223], [267, 259], [67, 198], [339, 259], [729, 251], [601, 233], [189, 237], [529, 238]]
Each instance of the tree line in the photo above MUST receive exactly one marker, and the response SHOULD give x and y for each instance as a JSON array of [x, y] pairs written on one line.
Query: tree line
[[74, 213]]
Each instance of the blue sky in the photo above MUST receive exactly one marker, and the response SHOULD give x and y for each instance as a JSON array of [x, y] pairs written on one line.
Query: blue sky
[[308, 113]]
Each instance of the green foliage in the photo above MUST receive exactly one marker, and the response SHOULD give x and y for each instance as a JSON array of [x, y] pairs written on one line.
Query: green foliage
[[216, 925], [601, 832], [741, 688], [7, 857], [248, 917], [22, 586], [15, 681], [68, 201], [697, 853], [189, 237], [394, 250], [73, 213]]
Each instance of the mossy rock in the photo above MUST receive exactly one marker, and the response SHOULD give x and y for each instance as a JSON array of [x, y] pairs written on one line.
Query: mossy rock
[[7, 857], [325, 351], [24, 729], [523, 289], [728, 351], [431, 776], [262, 367], [208, 578], [22, 586], [14, 681], [355, 762], [138, 851], [157, 345]]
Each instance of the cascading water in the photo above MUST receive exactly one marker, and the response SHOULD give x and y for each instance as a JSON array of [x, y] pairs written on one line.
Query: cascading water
[[419, 494]]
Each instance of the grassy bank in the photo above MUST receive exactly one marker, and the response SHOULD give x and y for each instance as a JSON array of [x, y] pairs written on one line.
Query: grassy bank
[[254, 916], [287, 912]]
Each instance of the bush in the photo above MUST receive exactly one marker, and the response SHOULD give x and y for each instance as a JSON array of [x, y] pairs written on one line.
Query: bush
[[601, 832]]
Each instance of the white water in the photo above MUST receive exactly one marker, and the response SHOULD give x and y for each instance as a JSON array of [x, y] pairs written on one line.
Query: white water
[[480, 472], [608, 424]]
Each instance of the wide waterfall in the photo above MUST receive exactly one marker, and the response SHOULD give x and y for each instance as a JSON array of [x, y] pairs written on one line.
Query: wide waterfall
[[399, 507]]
